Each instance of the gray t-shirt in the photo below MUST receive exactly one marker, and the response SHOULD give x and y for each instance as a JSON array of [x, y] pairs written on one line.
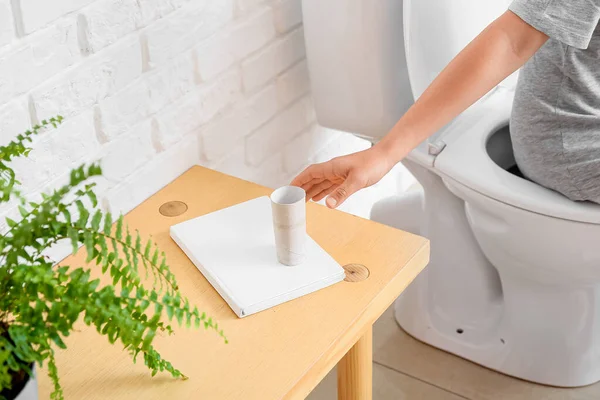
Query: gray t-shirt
[[555, 122]]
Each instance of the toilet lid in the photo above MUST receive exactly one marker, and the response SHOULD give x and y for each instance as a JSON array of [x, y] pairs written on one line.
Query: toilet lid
[[466, 161]]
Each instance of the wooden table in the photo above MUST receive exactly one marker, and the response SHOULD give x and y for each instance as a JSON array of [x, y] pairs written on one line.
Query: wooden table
[[280, 353]]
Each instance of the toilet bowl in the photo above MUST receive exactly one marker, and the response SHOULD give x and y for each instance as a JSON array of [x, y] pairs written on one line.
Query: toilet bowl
[[513, 282], [523, 301]]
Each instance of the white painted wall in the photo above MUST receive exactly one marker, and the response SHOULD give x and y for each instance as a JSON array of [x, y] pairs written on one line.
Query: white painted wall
[[153, 87]]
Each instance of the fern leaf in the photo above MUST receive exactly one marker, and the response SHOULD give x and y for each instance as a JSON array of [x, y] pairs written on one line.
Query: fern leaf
[[74, 236], [148, 249], [84, 214], [119, 230], [128, 238], [67, 215], [107, 223], [138, 242], [93, 198], [88, 241], [57, 394], [96, 220]]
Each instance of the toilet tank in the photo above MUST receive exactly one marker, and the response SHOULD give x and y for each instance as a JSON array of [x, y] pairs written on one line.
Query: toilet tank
[[357, 64]]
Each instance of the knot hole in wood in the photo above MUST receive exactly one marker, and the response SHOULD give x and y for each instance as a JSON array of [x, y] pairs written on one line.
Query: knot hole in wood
[[356, 272], [173, 208]]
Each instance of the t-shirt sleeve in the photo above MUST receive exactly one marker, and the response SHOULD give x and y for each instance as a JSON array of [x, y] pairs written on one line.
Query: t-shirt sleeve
[[569, 21]]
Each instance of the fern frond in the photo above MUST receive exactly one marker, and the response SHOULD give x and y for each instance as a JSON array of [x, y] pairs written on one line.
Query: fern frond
[[41, 302]]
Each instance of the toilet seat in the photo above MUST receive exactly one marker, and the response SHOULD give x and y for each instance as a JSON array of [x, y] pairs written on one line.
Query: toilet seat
[[465, 160]]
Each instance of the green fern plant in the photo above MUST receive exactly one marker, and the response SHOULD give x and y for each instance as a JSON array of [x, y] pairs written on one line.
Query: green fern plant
[[40, 301]]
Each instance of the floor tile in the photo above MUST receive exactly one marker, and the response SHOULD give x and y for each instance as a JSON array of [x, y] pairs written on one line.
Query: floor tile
[[387, 385], [399, 351]]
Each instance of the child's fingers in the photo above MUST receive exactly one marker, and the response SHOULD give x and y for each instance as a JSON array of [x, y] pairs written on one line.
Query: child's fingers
[[312, 172], [346, 189], [318, 188], [324, 193], [309, 185]]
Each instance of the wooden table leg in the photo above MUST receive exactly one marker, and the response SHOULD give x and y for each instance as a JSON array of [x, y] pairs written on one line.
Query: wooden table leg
[[355, 370]]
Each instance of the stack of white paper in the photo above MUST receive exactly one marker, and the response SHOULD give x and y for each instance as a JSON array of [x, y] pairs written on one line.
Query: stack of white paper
[[234, 248]]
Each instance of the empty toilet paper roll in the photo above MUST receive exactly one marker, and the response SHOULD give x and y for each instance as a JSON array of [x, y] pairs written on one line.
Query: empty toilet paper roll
[[289, 224]]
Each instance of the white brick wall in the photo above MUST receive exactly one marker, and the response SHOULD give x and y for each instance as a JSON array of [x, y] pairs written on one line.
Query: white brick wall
[[38, 13], [7, 28], [273, 135], [153, 87], [36, 57], [273, 60], [14, 119]]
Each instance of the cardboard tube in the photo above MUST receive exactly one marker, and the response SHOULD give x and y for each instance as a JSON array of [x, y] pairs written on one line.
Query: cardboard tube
[[289, 224]]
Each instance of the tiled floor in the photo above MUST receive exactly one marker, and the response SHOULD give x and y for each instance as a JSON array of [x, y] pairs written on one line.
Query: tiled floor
[[406, 369]]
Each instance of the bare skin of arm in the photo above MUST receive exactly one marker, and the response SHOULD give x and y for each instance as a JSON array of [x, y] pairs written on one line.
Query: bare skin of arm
[[502, 48]]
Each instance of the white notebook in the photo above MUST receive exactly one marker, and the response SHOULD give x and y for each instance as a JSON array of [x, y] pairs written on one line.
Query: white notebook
[[234, 248]]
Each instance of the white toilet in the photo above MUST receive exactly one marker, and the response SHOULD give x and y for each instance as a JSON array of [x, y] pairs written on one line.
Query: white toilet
[[514, 278]]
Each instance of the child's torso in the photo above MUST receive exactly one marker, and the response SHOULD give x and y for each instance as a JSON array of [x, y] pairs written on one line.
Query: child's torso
[[555, 122]]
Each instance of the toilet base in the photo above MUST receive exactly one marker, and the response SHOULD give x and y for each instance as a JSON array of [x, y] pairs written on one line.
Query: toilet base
[[496, 354]]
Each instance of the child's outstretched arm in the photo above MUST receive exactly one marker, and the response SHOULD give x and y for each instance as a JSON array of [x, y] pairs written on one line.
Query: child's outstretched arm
[[502, 48]]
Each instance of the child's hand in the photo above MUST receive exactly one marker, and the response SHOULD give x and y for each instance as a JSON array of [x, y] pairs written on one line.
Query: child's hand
[[341, 177]]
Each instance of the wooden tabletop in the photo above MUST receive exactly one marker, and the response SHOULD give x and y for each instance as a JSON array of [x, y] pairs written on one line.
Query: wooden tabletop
[[282, 352]]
